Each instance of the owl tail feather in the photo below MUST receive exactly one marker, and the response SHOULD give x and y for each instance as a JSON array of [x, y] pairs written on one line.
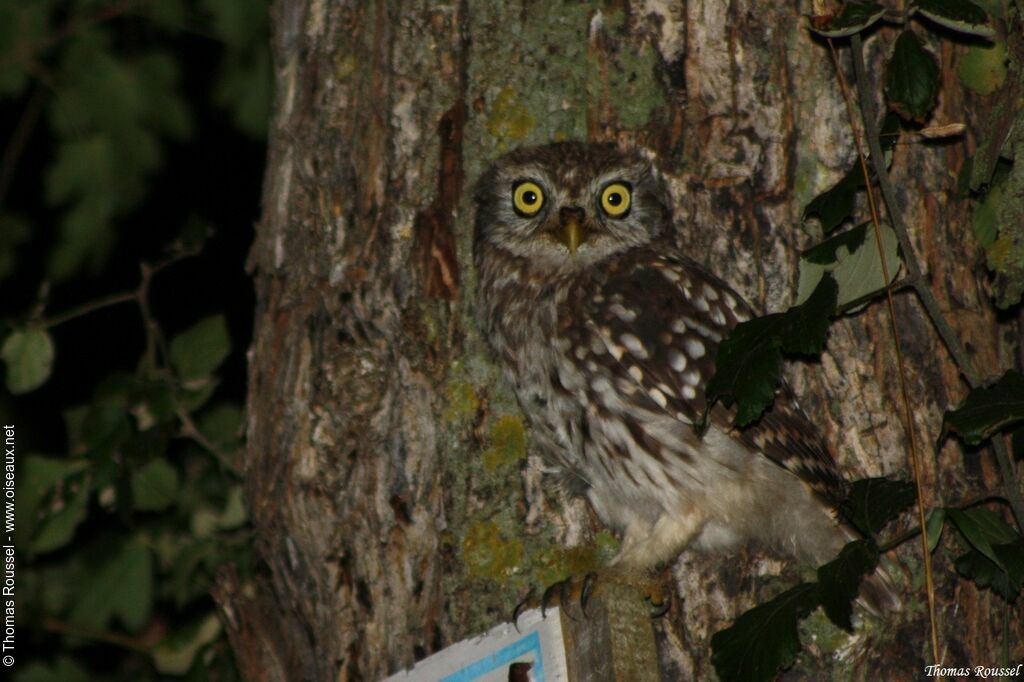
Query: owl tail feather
[[878, 594]]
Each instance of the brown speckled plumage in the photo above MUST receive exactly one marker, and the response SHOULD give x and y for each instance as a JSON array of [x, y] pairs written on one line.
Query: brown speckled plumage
[[610, 344]]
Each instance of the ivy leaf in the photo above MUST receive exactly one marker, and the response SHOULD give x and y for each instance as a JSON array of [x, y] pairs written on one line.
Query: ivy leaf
[[911, 79], [199, 350], [154, 486], [840, 580], [852, 259], [986, 573], [988, 410], [958, 15], [873, 502], [750, 360], [854, 17], [28, 354], [765, 638], [982, 528]]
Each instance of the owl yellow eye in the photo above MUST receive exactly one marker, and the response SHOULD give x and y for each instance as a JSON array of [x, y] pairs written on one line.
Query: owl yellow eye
[[527, 198], [616, 198]]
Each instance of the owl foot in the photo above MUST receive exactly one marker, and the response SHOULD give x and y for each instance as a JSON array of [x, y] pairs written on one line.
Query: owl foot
[[582, 591]]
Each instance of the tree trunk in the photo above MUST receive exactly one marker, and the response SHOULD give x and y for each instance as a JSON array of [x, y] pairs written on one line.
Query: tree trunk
[[395, 506]]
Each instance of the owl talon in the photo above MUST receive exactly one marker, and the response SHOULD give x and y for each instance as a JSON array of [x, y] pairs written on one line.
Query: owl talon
[[563, 591], [586, 591], [658, 609], [522, 606]]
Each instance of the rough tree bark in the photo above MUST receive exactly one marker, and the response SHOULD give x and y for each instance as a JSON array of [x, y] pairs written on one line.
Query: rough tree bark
[[394, 503]]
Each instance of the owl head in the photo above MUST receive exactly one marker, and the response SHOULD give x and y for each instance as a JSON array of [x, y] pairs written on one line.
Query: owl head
[[567, 206]]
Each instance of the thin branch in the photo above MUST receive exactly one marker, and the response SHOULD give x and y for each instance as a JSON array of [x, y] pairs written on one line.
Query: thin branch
[[899, 539], [924, 293], [191, 431], [91, 307], [124, 641], [71, 28], [871, 132], [894, 287], [22, 134]]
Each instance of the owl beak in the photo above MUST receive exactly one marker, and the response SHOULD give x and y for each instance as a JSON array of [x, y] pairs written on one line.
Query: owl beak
[[572, 231]]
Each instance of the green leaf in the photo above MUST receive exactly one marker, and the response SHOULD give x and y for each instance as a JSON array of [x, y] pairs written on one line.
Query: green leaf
[[176, 652], [912, 79], [983, 68], [108, 115], [62, 670], [222, 425], [934, 525], [958, 15], [840, 580], [985, 221], [852, 259], [245, 75], [122, 587], [199, 350], [37, 478], [155, 486], [22, 24], [749, 362], [83, 176], [988, 410], [244, 89], [28, 354], [835, 205], [206, 520], [239, 23], [873, 502], [106, 424], [765, 638], [854, 17], [986, 573], [58, 529], [982, 528]]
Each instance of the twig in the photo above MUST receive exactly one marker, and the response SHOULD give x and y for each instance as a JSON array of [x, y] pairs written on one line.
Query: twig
[[91, 307], [871, 132], [22, 133], [191, 431], [124, 641], [75, 25], [924, 293], [899, 539]]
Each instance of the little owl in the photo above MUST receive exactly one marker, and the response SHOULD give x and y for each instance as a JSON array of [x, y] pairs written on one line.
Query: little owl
[[609, 335]]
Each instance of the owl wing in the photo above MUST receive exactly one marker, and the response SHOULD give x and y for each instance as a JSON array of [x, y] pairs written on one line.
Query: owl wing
[[661, 318]]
